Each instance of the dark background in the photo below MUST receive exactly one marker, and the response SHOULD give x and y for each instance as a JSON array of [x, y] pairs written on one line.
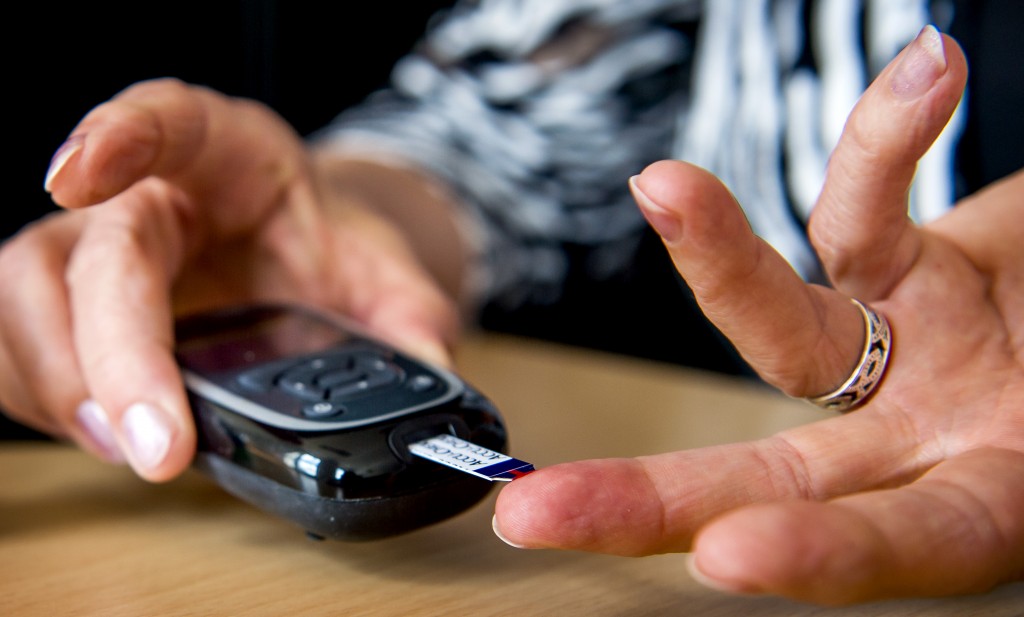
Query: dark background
[[309, 60]]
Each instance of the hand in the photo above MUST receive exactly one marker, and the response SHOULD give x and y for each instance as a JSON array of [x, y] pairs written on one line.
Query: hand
[[195, 200], [920, 491]]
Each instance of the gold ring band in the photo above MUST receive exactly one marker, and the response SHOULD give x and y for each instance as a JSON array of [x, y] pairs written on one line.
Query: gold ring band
[[869, 371]]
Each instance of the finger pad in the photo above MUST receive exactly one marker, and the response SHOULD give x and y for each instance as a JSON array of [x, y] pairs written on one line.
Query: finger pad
[[601, 506]]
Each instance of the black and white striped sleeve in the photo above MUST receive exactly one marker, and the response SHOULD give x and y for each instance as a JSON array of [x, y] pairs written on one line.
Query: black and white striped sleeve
[[536, 113]]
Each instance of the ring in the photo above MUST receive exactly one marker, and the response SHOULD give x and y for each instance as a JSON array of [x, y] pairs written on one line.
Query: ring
[[869, 371]]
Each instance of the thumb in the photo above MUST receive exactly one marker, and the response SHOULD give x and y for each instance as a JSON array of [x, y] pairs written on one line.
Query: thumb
[[235, 155], [152, 127]]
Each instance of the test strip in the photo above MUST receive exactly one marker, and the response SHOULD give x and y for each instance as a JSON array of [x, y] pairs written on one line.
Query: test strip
[[466, 456]]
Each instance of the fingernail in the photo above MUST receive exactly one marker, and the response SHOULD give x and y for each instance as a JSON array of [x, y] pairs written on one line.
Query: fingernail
[[665, 223], [497, 532], [923, 62], [706, 581], [148, 432], [96, 424], [61, 157]]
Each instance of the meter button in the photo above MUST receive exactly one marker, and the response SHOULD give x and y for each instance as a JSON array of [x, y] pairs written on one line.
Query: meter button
[[323, 410]]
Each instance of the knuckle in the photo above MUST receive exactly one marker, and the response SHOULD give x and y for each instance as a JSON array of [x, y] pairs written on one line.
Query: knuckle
[[158, 86], [789, 471], [150, 112], [172, 119]]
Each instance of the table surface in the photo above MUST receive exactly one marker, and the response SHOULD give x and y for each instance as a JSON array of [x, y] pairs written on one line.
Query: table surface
[[78, 537]]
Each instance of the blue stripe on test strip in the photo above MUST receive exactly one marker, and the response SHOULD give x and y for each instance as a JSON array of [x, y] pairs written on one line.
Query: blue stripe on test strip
[[508, 470], [471, 458]]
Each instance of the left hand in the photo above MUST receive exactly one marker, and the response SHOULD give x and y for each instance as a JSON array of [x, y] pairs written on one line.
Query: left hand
[[180, 199], [920, 491]]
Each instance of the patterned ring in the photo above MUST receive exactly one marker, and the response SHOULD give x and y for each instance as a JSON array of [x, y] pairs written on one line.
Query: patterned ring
[[869, 371]]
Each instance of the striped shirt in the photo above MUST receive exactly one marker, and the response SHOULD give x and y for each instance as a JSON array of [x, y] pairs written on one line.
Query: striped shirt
[[536, 112]]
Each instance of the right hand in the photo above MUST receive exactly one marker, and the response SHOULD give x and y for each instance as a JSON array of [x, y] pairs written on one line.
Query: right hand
[[180, 199], [920, 492]]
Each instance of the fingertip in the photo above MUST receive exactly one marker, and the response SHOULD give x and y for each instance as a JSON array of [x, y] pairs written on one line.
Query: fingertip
[[117, 153], [523, 514], [698, 575], [429, 349], [920, 66], [690, 208], [427, 329], [71, 146], [95, 432], [673, 184], [662, 219], [90, 168], [605, 506], [153, 127], [545, 509], [496, 527], [156, 443], [424, 341]]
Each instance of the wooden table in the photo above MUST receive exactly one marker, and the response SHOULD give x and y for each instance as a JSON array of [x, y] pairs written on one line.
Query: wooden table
[[78, 537]]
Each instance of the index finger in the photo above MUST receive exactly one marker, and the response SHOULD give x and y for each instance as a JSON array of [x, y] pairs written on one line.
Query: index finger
[[655, 504], [152, 128]]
